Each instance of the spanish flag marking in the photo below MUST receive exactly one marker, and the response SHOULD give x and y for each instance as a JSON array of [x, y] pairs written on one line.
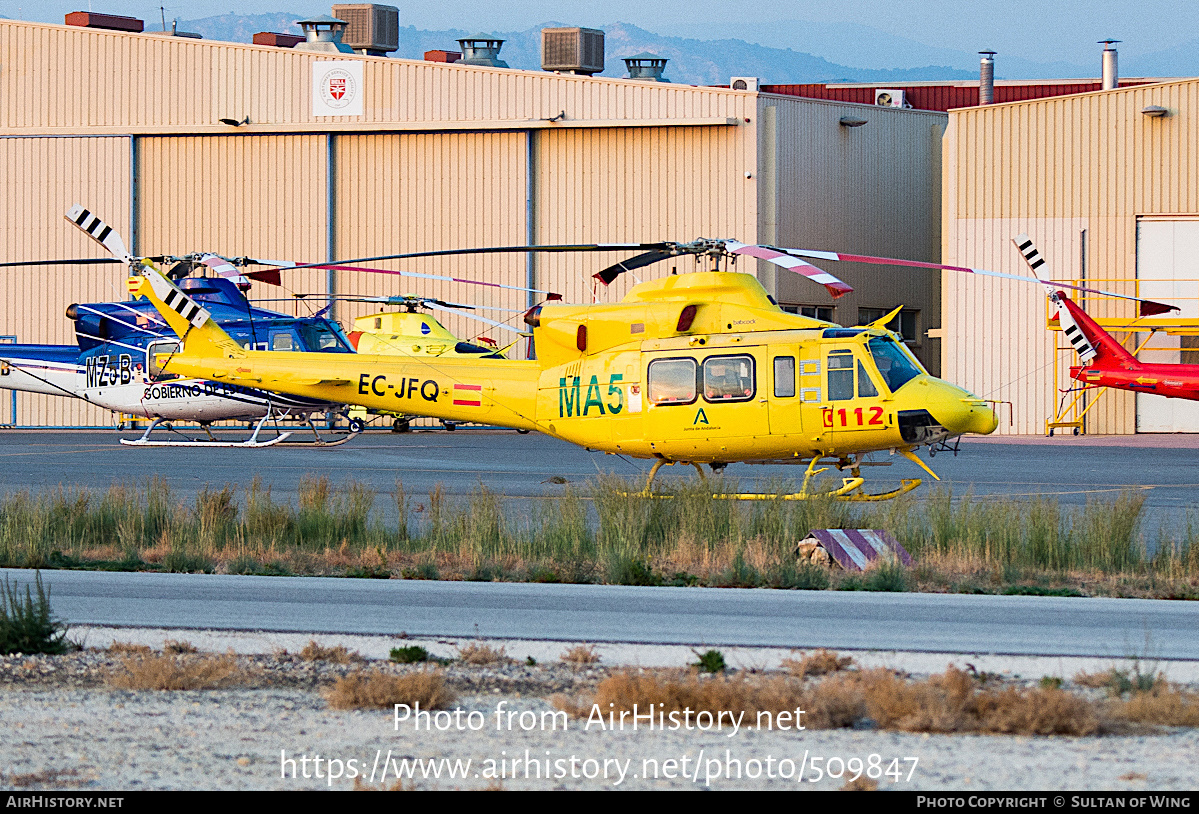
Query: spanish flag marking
[[468, 395]]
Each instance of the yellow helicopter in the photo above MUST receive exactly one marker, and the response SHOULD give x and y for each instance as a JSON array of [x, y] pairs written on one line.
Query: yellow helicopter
[[411, 332], [694, 368]]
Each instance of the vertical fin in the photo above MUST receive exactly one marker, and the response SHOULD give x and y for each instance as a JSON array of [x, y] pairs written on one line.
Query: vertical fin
[[1078, 339], [187, 318]]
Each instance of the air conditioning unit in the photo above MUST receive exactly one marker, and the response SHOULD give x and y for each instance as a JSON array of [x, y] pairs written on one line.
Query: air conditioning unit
[[373, 29], [886, 97], [572, 50], [745, 83]]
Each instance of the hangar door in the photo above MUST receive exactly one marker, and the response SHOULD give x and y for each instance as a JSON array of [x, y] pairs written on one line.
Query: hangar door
[[1168, 270]]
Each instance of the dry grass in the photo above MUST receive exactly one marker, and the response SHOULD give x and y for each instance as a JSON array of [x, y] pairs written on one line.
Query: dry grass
[[379, 690], [1093, 681], [954, 702], [581, 654], [1163, 705], [52, 778], [822, 662], [477, 653], [951, 702], [362, 785], [862, 783], [675, 691], [180, 672], [129, 649], [337, 655]]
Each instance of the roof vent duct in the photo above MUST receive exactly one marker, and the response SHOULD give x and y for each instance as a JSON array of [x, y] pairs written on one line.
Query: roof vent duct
[[112, 22], [1111, 75], [372, 29], [481, 49], [646, 66], [572, 50], [986, 78], [323, 33]]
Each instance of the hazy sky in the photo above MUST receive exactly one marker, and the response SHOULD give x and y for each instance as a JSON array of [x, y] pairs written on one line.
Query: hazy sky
[[1041, 30]]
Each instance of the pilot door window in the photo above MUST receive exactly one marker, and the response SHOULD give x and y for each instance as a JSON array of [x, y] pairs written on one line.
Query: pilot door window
[[840, 375], [672, 381], [784, 377], [841, 365], [282, 341], [728, 378]]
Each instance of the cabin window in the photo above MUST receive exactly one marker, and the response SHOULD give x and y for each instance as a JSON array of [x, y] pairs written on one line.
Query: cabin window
[[729, 378], [784, 377], [672, 381], [840, 375], [866, 388], [153, 350], [281, 340]]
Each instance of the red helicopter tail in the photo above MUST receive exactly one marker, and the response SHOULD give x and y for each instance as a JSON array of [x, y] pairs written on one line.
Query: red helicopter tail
[[1095, 346]]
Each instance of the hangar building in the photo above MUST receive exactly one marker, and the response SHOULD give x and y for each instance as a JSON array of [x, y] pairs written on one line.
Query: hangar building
[[190, 145], [1105, 184]]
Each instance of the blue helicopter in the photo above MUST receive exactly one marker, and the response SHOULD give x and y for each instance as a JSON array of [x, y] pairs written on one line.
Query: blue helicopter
[[112, 363]]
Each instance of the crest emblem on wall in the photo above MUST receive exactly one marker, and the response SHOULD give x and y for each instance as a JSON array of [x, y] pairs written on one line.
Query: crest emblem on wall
[[337, 88]]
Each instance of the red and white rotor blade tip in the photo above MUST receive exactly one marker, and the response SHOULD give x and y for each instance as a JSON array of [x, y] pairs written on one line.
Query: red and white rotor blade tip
[[1147, 307], [832, 284], [223, 268], [99, 231]]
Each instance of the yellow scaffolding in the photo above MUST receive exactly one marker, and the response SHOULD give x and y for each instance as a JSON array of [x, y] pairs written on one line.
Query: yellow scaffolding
[[1072, 415]]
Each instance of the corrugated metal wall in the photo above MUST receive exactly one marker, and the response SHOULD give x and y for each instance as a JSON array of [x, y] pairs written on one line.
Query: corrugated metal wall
[[1053, 168], [862, 190], [67, 77], [642, 185], [427, 192], [43, 178], [239, 196]]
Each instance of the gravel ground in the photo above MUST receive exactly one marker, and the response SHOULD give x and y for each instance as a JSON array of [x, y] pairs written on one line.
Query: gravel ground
[[65, 728]]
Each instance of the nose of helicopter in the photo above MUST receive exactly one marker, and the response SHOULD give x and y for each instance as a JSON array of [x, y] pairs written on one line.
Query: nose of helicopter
[[959, 411]]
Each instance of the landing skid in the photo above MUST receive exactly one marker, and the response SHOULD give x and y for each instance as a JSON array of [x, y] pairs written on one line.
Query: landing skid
[[850, 488], [250, 443]]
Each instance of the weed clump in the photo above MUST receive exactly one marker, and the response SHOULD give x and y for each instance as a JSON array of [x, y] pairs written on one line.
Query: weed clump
[[27, 624], [379, 690], [413, 654], [477, 653], [951, 702], [338, 654], [581, 655], [820, 663], [710, 661], [178, 672]]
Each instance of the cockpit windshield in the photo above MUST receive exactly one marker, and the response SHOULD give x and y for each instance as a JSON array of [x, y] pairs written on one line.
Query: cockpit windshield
[[896, 367], [323, 337]]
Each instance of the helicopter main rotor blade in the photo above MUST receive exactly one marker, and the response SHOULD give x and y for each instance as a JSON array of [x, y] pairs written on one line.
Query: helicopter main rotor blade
[[413, 300], [273, 275], [87, 261], [551, 248], [1148, 307], [606, 276], [491, 322], [779, 257]]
